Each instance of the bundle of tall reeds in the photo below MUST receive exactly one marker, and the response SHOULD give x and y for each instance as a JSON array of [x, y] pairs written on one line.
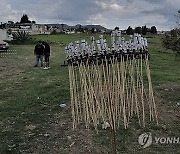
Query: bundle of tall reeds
[[110, 85]]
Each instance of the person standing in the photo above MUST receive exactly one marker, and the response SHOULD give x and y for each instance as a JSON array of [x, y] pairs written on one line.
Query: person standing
[[46, 54], [38, 51]]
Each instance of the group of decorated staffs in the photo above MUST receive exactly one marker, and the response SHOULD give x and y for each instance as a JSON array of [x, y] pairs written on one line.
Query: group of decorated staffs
[[112, 93], [99, 49]]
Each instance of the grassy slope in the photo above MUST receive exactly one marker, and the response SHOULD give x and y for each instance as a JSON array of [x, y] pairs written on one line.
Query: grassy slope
[[32, 121]]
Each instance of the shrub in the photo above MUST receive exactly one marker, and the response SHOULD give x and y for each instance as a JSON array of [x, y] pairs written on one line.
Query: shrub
[[21, 36], [172, 40]]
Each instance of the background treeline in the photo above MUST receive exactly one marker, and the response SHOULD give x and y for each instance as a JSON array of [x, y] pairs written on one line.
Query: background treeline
[[141, 30]]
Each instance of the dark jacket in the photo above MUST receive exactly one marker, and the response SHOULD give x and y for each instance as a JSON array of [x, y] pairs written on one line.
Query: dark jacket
[[39, 49], [46, 49]]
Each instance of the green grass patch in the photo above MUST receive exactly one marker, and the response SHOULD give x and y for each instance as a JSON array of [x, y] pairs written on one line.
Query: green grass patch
[[31, 96]]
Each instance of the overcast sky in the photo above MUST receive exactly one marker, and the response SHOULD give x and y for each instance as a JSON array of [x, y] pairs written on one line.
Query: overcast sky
[[108, 13]]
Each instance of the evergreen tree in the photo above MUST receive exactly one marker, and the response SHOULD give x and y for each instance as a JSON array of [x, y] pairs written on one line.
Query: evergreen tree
[[138, 30], [144, 30], [153, 30], [129, 31], [116, 28], [25, 19]]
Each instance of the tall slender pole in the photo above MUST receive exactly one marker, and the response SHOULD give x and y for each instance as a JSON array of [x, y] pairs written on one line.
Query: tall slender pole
[[112, 120]]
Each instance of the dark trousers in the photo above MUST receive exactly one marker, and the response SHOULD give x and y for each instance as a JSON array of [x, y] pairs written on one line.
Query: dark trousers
[[39, 57], [46, 58]]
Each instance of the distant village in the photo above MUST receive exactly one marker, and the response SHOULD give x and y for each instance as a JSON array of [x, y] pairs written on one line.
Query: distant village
[[31, 27], [6, 29]]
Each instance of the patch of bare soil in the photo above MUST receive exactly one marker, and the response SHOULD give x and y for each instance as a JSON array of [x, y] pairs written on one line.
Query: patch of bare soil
[[60, 138], [168, 109], [168, 106]]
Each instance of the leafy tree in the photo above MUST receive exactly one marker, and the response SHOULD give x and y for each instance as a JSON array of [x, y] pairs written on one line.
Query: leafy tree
[[172, 40], [174, 32], [138, 30], [167, 41], [116, 28], [129, 31], [25, 19], [153, 30]]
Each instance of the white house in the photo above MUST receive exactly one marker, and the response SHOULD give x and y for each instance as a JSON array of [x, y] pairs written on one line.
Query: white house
[[32, 29], [4, 35], [39, 29]]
